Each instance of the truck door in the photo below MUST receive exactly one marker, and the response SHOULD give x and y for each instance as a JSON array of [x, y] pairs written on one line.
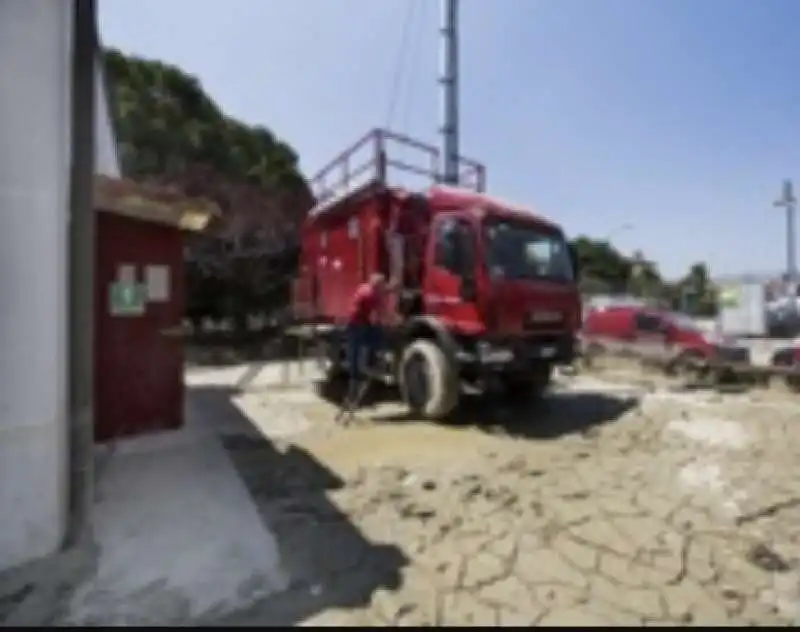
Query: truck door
[[451, 270]]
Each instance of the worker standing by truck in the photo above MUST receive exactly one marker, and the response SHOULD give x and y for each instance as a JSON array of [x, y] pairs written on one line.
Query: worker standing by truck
[[363, 332]]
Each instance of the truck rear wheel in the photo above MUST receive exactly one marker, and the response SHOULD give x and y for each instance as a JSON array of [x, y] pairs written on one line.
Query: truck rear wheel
[[428, 381], [334, 378]]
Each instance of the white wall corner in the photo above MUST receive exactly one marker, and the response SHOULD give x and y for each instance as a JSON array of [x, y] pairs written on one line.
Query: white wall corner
[[36, 48], [106, 155]]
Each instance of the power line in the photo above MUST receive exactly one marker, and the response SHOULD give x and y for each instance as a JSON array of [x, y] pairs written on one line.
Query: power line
[[397, 78]]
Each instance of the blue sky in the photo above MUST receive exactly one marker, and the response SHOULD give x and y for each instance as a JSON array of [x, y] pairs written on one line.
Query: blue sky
[[677, 117]]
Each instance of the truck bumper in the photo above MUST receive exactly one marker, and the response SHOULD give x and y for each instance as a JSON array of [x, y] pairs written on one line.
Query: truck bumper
[[520, 354]]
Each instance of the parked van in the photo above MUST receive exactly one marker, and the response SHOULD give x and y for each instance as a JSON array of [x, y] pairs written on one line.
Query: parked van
[[657, 334]]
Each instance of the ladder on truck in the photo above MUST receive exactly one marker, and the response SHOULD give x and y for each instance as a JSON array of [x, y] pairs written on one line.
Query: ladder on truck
[[385, 158]]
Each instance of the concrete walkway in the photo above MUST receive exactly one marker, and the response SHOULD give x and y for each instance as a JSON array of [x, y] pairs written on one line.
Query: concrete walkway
[[179, 536]]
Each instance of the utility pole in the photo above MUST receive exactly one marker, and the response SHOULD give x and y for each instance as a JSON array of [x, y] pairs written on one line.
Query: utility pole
[[789, 202], [449, 91], [81, 268]]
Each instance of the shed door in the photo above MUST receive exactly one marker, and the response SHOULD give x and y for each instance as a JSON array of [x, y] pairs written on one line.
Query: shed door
[[139, 295]]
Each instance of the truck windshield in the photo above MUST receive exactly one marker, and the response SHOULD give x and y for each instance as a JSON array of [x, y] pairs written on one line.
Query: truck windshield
[[520, 250]]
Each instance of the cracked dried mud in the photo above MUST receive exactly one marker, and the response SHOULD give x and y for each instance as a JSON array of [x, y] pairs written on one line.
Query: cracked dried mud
[[613, 503]]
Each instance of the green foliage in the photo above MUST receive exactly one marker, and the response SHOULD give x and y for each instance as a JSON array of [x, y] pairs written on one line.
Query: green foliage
[[698, 295], [602, 265], [166, 123], [605, 270]]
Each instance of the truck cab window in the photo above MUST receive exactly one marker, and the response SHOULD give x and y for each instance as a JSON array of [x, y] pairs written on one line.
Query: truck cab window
[[454, 247], [647, 323]]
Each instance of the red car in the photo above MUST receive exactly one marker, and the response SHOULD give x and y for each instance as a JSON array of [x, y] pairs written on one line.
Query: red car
[[655, 333]]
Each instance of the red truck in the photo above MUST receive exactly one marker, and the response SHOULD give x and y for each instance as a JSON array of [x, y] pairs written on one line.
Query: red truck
[[487, 294]]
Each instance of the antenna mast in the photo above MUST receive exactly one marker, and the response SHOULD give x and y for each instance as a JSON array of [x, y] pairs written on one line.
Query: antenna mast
[[449, 91]]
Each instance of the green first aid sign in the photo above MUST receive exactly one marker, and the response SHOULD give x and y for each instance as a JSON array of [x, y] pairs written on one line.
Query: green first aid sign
[[127, 299]]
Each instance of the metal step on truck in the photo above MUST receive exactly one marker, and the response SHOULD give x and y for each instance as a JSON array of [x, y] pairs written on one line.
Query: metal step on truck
[[487, 297]]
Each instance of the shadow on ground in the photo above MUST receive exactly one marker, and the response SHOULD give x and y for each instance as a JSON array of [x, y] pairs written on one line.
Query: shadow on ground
[[329, 561], [559, 414], [220, 349]]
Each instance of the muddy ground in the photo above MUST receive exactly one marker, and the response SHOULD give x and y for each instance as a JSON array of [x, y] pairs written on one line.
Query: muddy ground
[[616, 501]]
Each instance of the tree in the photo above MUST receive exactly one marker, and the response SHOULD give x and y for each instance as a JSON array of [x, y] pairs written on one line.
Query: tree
[[171, 132], [603, 268], [698, 295], [645, 278]]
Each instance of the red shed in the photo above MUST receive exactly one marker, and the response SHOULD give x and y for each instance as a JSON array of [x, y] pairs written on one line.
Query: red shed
[[139, 305]]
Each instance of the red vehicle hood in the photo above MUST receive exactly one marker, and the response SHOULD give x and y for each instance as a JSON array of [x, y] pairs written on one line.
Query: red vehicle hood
[[527, 306]]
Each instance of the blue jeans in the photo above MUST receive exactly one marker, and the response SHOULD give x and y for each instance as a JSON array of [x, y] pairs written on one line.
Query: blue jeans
[[363, 342]]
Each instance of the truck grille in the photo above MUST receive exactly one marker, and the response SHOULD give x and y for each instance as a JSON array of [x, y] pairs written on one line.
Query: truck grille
[[543, 319]]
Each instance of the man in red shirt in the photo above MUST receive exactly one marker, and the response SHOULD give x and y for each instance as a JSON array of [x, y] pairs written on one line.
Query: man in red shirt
[[363, 329]]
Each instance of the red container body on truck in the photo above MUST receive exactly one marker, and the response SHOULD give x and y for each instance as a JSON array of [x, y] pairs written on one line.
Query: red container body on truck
[[487, 294]]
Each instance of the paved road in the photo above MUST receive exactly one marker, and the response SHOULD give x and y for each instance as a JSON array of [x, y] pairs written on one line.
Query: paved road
[[612, 504]]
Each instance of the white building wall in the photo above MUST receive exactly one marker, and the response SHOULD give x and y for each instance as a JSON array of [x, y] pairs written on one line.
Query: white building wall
[[106, 158], [35, 53]]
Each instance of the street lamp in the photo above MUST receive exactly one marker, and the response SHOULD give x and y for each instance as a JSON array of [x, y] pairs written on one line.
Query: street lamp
[[788, 201]]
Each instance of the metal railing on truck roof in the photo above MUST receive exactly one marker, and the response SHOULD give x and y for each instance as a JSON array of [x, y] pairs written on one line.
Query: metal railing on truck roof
[[375, 154]]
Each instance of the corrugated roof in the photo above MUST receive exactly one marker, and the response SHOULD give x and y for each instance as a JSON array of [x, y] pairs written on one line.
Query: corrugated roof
[[152, 203]]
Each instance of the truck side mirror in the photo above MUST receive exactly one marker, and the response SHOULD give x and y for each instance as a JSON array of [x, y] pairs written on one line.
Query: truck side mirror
[[466, 264], [575, 260]]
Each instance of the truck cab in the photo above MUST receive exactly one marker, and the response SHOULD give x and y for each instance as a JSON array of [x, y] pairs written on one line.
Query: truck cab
[[503, 279]]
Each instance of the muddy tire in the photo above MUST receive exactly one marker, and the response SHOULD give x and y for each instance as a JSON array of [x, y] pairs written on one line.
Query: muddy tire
[[428, 380], [687, 364]]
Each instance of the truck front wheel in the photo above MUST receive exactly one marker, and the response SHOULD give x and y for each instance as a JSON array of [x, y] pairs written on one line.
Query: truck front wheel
[[428, 380]]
